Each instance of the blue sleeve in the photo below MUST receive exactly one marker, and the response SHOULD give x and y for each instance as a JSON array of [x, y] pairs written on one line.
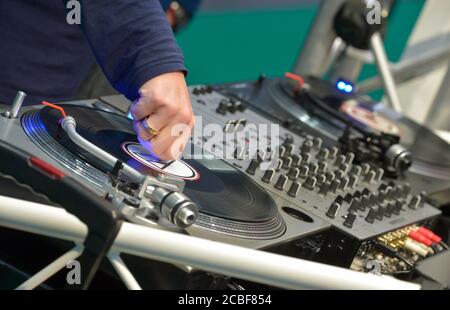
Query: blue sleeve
[[132, 41]]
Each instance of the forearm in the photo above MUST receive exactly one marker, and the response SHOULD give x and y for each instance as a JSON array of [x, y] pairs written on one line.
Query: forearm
[[131, 40]]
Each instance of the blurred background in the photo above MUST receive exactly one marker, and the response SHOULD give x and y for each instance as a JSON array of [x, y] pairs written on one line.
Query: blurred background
[[235, 40]]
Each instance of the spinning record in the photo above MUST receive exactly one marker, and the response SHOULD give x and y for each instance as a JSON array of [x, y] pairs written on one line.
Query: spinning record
[[219, 189]]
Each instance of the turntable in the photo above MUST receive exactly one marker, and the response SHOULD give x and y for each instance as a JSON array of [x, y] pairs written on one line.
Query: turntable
[[278, 98], [231, 205]]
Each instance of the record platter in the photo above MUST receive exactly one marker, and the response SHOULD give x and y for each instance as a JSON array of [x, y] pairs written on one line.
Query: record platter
[[230, 203]]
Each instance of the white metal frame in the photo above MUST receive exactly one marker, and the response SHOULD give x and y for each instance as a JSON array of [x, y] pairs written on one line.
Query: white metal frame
[[243, 263]]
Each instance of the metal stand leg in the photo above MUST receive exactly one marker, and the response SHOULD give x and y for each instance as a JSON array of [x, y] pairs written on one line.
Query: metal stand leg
[[376, 44]]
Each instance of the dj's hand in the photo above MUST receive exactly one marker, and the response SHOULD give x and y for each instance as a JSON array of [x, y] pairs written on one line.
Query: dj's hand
[[165, 106]]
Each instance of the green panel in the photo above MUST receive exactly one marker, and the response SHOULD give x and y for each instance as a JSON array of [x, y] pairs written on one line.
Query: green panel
[[234, 46]]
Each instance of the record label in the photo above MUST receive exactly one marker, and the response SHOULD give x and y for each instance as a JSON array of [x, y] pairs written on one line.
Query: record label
[[177, 168], [370, 119]]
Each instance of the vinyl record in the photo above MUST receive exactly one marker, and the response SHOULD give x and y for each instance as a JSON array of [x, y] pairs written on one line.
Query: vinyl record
[[219, 189]]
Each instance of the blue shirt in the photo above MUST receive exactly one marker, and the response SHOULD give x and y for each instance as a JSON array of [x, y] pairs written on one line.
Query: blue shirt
[[44, 56]]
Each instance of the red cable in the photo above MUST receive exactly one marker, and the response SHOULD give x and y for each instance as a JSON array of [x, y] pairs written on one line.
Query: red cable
[[54, 106], [297, 78]]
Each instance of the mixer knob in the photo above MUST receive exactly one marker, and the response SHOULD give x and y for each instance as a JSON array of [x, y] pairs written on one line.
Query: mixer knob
[[344, 183], [380, 213], [289, 149], [223, 107], [296, 160], [365, 191], [281, 182], [373, 199], [313, 168], [355, 205], [268, 176], [278, 165], [306, 146], [339, 173], [379, 174], [310, 183], [330, 176], [389, 210], [304, 171], [306, 158], [382, 195], [333, 152], [370, 177], [282, 151], [325, 188], [357, 194], [389, 193], [406, 189], [321, 178], [335, 184], [293, 173], [333, 210], [254, 164], [317, 143], [365, 168], [344, 168], [371, 216], [287, 161], [350, 219], [339, 160], [415, 202], [323, 165], [365, 202], [356, 170], [398, 207], [293, 190], [352, 181], [323, 154], [349, 158], [348, 198]]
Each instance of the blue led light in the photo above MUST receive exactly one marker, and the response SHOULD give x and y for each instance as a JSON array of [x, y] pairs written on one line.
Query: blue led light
[[345, 86], [341, 85]]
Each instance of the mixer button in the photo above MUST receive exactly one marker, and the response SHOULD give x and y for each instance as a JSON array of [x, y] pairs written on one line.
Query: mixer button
[[356, 170], [323, 154], [317, 143], [310, 183], [287, 161], [281, 182], [335, 184], [333, 152], [339, 160], [352, 181], [313, 168], [370, 177], [293, 173], [268, 176], [371, 216], [415, 202], [333, 210], [321, 178], [350, 219], [304, 171], [325, 188], [294, 189], [254, 164], [296, 160]]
